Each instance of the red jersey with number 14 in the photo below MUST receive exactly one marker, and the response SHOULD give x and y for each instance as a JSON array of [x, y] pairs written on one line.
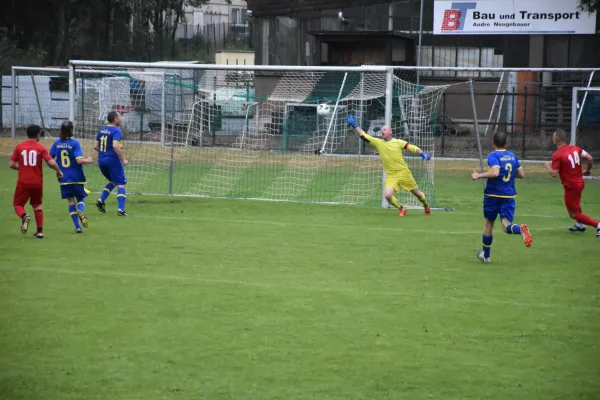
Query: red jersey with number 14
[[29, 155], [567, 161]]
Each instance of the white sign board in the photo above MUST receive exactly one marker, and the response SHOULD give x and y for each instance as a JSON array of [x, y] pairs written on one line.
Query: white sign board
[[511, 17]]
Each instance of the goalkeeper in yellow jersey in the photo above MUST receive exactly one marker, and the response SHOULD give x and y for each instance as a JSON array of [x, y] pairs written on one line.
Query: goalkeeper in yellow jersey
[[396, 170]]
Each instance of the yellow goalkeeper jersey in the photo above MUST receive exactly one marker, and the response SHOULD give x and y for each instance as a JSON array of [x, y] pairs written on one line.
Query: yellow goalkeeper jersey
[[390, 152]]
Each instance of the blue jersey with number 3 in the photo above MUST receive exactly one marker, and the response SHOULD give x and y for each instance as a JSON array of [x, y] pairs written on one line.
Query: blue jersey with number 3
[[504, 185], [66, 153], [105, 138]]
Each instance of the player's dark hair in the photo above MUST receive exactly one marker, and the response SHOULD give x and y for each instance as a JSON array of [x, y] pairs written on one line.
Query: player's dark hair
[[500, 139], [112, 116], [33, 131], [66, 130], [562, 135]]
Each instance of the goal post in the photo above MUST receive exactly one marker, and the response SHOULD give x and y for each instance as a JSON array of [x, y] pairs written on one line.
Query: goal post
[[579, 100], [253, 131]]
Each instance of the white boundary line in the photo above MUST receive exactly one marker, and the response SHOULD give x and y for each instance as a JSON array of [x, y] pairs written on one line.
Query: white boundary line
[[134, 275]]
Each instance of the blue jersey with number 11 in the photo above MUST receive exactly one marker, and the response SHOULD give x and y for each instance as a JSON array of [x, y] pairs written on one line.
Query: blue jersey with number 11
[[105, 138], [504, 185]]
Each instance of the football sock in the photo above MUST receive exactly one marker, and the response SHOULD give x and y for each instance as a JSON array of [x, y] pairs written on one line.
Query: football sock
[[74, 217], [423, 200], [106, 192], [394, 201], [20, 211], [579, 225], [487, 246], [586, 220], [39, 219], [80, 205], [513, 229], [121, 198]]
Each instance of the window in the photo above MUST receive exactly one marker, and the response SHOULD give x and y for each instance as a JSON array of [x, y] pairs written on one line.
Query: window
[[235, 15], [450, 56], [244, 16]]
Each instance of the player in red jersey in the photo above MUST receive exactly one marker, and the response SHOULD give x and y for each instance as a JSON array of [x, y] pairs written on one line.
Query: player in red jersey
[[27, 159], [566, 163]]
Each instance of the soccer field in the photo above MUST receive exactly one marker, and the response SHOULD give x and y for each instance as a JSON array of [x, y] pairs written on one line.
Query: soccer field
[[229, 299]]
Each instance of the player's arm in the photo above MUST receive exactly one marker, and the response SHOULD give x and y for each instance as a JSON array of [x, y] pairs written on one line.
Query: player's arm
[[493, 173], [79, 158], [52, 163], [589, 160], [117, 137], [13, 163], [415, 150], [351, 120], [553, 166], [520, 172]]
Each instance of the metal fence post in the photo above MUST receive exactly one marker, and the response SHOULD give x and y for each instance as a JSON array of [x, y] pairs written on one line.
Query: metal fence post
[[13, 103], [524, 122]]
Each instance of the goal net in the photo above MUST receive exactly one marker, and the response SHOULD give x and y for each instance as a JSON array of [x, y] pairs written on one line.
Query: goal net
[[255, 132]]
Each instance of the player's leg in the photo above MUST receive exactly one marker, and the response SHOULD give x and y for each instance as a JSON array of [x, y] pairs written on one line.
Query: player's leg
[[21, 198], [118, 177], [73, 213], [507, 215], [389, 192], [105, 169], [36, 202], [573, 203], [490, 212], [79, 193], [407, 182]]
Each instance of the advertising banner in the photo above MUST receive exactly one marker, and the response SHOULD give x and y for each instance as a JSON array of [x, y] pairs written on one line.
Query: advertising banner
[[506, 17]]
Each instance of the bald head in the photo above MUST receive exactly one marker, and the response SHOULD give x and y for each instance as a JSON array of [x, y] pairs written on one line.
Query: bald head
[[386, 132]]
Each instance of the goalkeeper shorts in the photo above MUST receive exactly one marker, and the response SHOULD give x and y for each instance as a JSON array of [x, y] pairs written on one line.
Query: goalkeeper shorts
[[404, 181]]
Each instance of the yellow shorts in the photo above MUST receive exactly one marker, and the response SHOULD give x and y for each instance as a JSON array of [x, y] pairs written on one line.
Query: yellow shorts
[[405, 181]]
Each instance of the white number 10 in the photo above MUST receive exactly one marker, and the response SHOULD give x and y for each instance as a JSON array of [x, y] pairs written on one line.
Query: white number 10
[[29, 158], [574, 159]]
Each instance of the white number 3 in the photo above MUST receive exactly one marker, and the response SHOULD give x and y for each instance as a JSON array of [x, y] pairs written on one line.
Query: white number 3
[[574, 159], [31, 159]]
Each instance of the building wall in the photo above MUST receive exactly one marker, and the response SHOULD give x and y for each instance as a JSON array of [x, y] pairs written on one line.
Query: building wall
[[222, 12]]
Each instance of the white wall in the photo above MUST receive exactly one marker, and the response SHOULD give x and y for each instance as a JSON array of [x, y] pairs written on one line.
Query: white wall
[[213, 12]]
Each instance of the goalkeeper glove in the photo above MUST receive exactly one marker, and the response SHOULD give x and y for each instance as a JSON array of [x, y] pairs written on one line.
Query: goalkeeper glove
[[425, 156], [351, 121]]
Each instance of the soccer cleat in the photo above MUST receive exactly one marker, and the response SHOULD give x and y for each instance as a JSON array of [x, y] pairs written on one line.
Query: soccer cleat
[[598, 233], [526, 235], [482, 258], [427, 211], [402, 212], [25, 224], [577, 228], [38, 235], [83, 219], [101, 206], [121, 213], [78, 230]]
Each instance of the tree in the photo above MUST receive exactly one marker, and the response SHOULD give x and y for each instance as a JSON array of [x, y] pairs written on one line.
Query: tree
[[588, 5]]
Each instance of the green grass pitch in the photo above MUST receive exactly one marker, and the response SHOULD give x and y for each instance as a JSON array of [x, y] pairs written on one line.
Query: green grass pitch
[[231, 299]]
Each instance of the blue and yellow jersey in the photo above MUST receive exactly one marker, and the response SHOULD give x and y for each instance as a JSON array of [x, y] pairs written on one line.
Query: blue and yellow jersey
[[504, 185], [66, 153], [105, 138]]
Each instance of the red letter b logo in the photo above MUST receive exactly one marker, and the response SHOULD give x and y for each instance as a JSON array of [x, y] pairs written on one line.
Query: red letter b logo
[[451, 20]]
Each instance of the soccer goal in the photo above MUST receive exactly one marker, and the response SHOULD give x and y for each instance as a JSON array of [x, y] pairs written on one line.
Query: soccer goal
[[254, 131]]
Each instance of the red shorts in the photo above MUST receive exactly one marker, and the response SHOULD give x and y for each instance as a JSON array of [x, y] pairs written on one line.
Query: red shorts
[[573, 199], [23, 195]]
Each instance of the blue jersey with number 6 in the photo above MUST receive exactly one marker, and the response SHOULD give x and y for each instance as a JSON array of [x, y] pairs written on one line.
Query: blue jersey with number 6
[[105, 138], [504, 185], [66, 152]]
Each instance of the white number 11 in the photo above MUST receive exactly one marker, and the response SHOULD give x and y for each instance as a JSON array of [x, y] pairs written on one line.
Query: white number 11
[[574, 159]]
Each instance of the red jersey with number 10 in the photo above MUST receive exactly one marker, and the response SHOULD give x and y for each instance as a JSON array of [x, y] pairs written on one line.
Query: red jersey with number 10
[[567, 161], [29, 155]]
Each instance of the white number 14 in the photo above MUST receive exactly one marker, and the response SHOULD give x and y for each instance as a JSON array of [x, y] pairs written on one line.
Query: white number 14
[[574, 159]]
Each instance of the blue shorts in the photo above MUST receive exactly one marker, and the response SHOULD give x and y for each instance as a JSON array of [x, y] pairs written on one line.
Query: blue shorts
[[112, 169], [492, 206], [76, 191]]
